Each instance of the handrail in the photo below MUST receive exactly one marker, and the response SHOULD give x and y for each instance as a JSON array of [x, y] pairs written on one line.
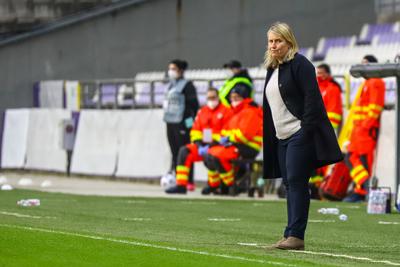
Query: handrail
[[91, 89]]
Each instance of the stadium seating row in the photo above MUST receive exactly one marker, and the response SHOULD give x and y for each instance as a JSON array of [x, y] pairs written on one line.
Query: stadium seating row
[[148, 88]]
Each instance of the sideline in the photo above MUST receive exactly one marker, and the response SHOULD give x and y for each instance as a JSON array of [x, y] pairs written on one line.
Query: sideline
[[20, 215], [141, 244], [329, 255]]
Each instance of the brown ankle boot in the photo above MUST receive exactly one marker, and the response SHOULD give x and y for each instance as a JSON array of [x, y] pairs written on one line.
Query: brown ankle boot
[[279, 242], [291, 243]]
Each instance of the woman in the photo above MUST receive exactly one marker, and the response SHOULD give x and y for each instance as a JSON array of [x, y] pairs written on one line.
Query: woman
[[298, 136], [180, 108]]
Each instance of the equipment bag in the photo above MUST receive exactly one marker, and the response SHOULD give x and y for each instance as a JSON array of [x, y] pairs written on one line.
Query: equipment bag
[[335, 186]]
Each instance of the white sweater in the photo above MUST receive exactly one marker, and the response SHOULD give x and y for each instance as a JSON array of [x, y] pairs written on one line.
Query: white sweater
[[286, 124]]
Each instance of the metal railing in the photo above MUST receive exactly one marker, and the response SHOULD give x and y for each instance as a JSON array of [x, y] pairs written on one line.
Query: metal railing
[[93, 95]]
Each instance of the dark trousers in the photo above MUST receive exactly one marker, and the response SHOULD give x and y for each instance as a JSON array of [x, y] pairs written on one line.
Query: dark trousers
[[178, 135], [296, 160]]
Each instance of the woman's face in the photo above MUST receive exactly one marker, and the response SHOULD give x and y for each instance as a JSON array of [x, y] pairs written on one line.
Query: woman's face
[[277, 46], [174, 71]]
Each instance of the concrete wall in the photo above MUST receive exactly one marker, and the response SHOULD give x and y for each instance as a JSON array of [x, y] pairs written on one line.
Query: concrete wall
[[22, 15], [145, 37]]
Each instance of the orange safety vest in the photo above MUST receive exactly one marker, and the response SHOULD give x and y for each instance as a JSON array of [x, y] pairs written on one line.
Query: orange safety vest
[[331, 95], [213, 119], [245, 127], [367, 111]]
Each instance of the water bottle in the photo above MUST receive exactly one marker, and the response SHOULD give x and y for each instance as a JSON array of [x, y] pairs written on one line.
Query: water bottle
[[334, 211], [260, 182], [343, 217], [28, 202]]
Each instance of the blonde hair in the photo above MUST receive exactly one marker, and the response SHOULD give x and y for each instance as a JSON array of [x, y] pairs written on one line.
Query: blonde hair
[[283, 30]]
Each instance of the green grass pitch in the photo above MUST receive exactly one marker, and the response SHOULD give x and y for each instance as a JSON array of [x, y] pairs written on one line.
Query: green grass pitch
[[71, 230]]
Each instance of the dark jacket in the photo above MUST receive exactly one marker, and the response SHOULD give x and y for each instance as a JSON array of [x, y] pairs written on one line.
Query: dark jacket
[[300, 93], [191, 101]]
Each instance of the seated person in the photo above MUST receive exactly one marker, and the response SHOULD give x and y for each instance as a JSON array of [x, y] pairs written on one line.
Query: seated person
[[241, 138], [204, 134]]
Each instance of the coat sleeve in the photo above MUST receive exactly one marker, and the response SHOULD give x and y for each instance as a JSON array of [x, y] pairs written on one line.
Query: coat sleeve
[[196, 133], [191, 101], [376, 103], [306, 80], [334, 106], [249, 130]]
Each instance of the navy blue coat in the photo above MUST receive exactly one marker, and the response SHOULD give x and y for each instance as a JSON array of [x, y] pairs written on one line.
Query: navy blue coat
[[300, 93]]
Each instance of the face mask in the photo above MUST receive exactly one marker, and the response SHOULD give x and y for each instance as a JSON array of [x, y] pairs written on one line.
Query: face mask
[[212, 104], [173, 74], [234, 104]]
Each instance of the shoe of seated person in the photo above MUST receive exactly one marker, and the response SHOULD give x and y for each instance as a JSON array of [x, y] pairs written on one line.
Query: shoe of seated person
[[224, 189], [179, 189], [291, 243], [191, 187], [208, 190], [354, 198]]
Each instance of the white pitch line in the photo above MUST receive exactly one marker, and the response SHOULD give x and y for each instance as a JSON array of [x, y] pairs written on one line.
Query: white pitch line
[[198, 202], [350, 207], [253, 245], [329, 255], [347, 257], [20, 215], [382, 222], [141, 244], [131, 201], [321, 221], [137, 219], [224, 219]]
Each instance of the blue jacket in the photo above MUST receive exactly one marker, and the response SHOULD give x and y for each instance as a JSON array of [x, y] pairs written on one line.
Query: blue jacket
[[300, 93]]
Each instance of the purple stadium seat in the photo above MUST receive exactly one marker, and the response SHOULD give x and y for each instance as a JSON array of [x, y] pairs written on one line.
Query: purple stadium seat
[[108, 94], [202, 99], [125, 96], [390, 97], [258, 86], [258, 98], [329, 43], [372, 30], [388, 38], [159, 92], [142, 97], [201, 86]]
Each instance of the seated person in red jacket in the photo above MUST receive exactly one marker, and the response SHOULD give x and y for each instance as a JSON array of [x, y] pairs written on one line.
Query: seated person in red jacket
[[204, 134], [241, 138]]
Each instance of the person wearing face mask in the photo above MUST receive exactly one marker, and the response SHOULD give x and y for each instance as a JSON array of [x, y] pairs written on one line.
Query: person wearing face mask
[[298, 136], [239, 78], [241, 137], [204, 134], [180, 108]]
